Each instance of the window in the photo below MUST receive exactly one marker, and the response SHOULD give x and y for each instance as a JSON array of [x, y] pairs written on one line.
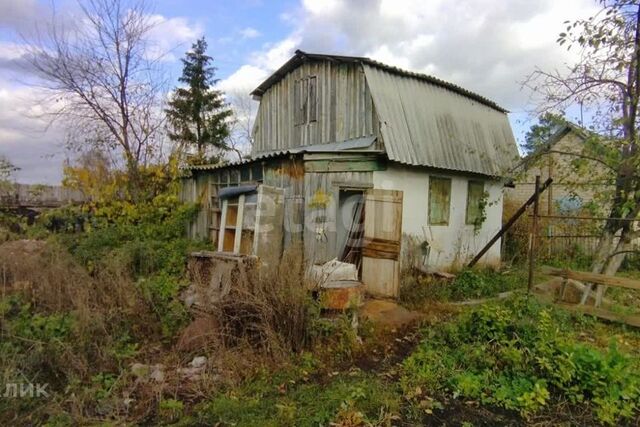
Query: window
[[239, 217], [305, 101], [234, 177], [439, 200], [475, 202], [245, 174], [256, 172]]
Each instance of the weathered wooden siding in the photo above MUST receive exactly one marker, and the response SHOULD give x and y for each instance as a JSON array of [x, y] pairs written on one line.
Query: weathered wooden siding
[[196, 190], [289, 174], [345, 109], [321, 192]]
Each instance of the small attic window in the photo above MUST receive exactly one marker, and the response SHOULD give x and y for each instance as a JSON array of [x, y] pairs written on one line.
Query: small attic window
[[305, 100]]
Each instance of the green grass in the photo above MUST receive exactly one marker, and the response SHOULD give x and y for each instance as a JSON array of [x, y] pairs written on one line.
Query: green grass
[[468, 284], [280, 401], [525, 357]]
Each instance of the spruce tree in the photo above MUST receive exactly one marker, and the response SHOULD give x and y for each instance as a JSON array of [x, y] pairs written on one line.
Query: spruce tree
[[197, 113]]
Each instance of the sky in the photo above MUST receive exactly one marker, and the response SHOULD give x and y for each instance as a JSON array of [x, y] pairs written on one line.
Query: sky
[[487, 46]]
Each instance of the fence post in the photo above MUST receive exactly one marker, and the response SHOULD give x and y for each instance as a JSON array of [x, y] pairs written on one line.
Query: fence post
[[533, 234]]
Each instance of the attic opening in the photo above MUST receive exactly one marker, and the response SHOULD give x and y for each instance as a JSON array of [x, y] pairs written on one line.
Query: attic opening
[[305, 100]]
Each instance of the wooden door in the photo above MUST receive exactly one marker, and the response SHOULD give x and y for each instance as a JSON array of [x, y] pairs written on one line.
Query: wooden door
[[381, 247]]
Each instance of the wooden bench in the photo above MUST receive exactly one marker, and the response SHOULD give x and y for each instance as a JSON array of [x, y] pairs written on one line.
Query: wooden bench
[[598, 279]]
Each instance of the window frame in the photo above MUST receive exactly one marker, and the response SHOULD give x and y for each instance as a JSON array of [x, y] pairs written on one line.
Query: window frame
[[430, 209], [305, 100], [467, 218]]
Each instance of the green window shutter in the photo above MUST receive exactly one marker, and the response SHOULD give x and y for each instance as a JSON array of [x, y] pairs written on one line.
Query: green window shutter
[[475, 194], [439, 200]]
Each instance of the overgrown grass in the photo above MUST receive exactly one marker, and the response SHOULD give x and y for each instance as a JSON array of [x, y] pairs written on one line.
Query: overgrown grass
[[418, 289], [79, 308], [525, 357], [301, 396]]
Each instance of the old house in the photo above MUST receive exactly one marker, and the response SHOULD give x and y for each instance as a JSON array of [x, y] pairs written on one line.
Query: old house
[[581, 189], [362, 162], [578, 182]]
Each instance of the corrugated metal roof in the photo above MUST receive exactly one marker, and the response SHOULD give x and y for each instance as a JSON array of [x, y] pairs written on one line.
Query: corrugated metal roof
[[271, 154], [352, 145], [428, 125], [301, 56]]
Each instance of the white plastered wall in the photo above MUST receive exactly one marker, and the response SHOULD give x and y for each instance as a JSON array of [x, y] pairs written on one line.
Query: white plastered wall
[[454, 244]]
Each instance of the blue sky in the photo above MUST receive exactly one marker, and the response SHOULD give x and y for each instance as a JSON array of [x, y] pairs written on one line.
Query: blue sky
[[488, 46]]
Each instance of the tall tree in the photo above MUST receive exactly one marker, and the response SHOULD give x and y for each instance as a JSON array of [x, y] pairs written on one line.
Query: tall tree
[[198, 115], [606, 81], [241, 127], [539, 134], [100, 70]]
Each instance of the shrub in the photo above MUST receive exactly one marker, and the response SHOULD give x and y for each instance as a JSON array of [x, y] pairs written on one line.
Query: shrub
[[517, 356], [270, 311], [418, 289], [162, 294]]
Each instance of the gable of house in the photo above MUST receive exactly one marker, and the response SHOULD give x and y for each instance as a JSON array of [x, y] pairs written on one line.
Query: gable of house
[[316, 102], [416, 119], [572, 189]]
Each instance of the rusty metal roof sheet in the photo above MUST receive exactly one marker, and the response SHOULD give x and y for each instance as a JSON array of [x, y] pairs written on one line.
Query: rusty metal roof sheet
[[429, 125]]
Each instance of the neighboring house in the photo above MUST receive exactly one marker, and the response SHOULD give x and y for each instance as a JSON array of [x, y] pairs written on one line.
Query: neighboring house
[[14, 195], [362, 162], [579, 185]]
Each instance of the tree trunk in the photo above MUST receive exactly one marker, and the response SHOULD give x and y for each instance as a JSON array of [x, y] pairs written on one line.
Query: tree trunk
[[134, 184]]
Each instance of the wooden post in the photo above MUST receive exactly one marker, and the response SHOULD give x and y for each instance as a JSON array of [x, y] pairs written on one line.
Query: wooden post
[[533, 234], [508, 224]]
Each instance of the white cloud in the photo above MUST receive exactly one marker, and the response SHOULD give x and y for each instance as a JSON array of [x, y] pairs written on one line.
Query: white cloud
[[250, 33], [171, 36], [27, 138], [10, 51], [20, 15], [244, 80], [488, 46]]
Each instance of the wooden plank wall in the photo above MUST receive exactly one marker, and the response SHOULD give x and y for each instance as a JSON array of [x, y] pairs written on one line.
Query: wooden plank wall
[[289, 174], [345, 109], [196, 190], [321, 192]]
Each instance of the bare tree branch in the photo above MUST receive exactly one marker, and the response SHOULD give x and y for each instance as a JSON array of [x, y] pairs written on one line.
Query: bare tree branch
[[101, 72]]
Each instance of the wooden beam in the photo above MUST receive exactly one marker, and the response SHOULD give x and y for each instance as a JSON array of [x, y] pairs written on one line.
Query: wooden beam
[[341, 165], [509, 223], [602, 279], [631, 320], [533, 234], [223, 223], [239, 221]]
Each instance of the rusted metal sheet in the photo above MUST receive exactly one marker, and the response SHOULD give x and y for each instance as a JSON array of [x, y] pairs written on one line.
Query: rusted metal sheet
[[341, 295], [428, 125]]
